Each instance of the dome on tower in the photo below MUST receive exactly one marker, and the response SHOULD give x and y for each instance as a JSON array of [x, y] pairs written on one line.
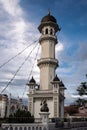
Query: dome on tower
[[48, 18], [56, 78], [32, 80]]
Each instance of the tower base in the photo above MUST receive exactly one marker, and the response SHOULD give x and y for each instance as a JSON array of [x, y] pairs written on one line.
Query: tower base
[[44, 119]]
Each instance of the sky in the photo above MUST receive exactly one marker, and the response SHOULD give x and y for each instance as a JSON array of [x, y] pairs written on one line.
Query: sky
[[19, 21]]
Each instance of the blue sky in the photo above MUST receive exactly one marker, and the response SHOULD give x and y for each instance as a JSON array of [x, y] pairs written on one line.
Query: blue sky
[[19, 20]]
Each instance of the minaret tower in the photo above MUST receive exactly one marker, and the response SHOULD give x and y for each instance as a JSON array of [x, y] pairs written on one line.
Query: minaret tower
[[47, 63], [51, 89]]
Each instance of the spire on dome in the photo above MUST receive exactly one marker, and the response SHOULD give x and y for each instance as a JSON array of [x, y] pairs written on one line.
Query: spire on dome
[[48, 11]]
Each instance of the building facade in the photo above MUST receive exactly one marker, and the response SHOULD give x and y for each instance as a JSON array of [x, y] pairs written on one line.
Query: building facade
[[51, 88], [9, 105]]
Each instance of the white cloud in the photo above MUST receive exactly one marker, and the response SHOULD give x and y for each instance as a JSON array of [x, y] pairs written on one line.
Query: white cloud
[[78, 96], [15, 34], [12, 7], [59, 47]]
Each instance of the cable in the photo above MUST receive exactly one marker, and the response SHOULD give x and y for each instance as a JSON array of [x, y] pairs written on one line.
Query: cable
[[17, 54], [31, 69], [18, 69]]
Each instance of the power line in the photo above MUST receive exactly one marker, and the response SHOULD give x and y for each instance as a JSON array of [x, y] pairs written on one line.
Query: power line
[[18, 69], [17, 54], [31, 69]]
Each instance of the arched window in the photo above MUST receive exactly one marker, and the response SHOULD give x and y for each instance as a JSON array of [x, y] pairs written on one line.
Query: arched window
[[40, 128], [29, 128], [11, 128], [25, 128], [51, 31], [16, 128], [46, 31], [6, 128], [32, 128], [36, 128], [20, 128]]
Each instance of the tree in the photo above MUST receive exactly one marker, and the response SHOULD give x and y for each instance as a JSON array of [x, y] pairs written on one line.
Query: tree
[[21, 116], [82, 90]]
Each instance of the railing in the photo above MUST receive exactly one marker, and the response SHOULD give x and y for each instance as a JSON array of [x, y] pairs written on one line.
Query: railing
[[34, 126], [40, 126]]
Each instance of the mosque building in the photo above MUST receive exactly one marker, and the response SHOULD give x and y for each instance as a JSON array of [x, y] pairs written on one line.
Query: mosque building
[[9, 105], [51, 88]]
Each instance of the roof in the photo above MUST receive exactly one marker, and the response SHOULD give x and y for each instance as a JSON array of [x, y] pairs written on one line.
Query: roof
[[56, 78], [48, 18], [61, 84], [32, 80]]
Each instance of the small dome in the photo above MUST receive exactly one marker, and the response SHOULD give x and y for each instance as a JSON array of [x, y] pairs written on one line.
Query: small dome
[[32, 80], [61, 84], [48, 18], [56, 78]]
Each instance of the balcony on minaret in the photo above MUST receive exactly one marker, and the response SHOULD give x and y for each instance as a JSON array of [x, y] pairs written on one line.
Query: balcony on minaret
[[47, 61], [48, 37]]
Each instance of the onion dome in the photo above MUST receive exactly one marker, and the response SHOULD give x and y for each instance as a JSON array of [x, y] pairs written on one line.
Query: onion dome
[[32, 80], [56, 78], [48, 18]]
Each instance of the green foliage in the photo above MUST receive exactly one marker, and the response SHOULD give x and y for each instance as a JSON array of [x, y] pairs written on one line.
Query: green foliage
[[82, 90], [22, 113], [21, 116], [81, 102]]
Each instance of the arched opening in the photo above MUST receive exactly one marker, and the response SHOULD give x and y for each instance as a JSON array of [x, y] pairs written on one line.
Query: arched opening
[[29, 128], [11, 128], [20, 128], [46, 31], [16, 128], [51, 31], [25, 128]]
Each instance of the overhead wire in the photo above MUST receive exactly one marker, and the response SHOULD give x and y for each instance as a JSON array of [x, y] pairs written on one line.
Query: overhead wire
[[18, 69], [31, 69], [17, 54]]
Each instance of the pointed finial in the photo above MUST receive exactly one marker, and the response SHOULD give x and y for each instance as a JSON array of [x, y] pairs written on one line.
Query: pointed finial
[[48, 11]]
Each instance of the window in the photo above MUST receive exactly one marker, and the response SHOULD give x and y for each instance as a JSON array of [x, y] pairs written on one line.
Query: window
[[46, 31], [32, 128], [16, 128], [40, 128], [11, 128], [51, 31], [25, 128], [36, 128], [20, 128], [29, 128]]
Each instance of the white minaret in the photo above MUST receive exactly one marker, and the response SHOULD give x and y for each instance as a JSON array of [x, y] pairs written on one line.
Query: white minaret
[[51, 88], [47, 63]]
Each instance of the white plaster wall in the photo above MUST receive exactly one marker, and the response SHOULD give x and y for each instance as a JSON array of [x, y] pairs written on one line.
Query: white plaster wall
[[48, 48], [47, 74], [37, 108], [51, 107]]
